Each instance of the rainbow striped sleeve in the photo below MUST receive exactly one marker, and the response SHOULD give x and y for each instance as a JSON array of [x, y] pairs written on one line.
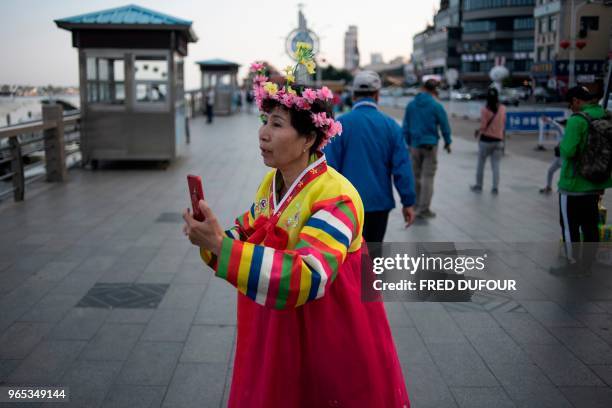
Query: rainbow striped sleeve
[[284, 279], [242, 228]]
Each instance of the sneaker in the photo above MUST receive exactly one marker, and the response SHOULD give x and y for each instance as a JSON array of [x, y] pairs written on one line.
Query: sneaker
[[546, 190], [476, 189], [494, 191], [426, 214]]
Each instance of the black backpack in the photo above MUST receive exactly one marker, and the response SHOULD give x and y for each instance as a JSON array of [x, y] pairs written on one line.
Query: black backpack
[[595, 160]]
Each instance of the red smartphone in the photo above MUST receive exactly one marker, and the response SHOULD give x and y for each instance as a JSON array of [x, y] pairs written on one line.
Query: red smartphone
[[196, 192]]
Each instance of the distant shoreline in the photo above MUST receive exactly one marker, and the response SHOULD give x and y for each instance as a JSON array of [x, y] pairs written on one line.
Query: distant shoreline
[[19, 106]]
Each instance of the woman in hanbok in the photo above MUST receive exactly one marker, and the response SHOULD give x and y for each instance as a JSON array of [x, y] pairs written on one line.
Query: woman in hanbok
[[305, 337]]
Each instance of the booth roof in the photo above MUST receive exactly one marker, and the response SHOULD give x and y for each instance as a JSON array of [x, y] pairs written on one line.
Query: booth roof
[[216, 62], [126, 16]]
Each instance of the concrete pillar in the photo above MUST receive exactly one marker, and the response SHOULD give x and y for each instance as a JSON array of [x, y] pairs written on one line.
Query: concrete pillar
[[55, 152]]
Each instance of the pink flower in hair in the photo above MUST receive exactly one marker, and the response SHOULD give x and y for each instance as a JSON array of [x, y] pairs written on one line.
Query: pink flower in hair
[[334, 129], [302, 103], [309, 94], [288, 100], [325, 94], [260, 79], [256, 66], [259, 92], [319, 119]]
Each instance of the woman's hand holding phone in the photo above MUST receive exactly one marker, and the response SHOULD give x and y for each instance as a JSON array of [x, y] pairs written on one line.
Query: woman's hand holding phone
[[206, 234], [202, 226]]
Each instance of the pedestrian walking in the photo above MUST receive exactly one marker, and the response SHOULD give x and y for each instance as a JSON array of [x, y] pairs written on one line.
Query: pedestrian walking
[[210, 103], [249, 101], [490, 136], [586, 151], [238, 96], [424, 119], [555, 164], [372, 154]]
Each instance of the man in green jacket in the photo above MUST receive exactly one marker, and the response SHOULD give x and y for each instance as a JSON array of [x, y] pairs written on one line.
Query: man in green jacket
[[578, 197]]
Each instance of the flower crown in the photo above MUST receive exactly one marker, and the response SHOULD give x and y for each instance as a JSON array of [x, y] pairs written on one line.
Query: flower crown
[[287, 96]]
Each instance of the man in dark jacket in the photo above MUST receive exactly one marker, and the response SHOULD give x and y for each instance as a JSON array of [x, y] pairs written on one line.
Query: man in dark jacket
[[578, 197], [369, 153]]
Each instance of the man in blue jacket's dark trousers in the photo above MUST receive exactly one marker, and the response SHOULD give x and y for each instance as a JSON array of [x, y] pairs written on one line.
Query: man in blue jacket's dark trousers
[[370, 152], [423, 119]]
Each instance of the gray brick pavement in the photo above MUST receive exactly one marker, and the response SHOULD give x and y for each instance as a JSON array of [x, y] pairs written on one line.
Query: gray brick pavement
[[547, 345]]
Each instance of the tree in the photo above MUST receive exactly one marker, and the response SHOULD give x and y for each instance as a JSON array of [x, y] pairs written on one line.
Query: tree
[[334, 74]]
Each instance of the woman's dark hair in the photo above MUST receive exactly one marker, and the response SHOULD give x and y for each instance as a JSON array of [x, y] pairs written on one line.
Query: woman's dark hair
[[301, 119], [492, 100]]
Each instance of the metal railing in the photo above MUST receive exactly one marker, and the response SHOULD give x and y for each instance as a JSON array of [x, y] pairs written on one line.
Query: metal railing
[[194, 103], [194, 106], [38, 149]]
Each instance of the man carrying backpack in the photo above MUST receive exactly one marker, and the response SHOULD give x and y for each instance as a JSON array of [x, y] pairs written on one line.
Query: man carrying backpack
[[586, 150]]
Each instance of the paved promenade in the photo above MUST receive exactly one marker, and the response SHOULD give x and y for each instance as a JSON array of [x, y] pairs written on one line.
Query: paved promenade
[[101, 292]]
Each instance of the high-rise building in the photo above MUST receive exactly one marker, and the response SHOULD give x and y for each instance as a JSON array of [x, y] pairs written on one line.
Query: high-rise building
[[449, 14], [553, 43], [351, 51], [376, 58], [419, 48], [497, 32], [436, 48]]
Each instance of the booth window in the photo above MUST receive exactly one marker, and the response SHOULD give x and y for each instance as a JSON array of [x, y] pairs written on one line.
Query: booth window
[[151, 77], [106, 80], [225, 80]]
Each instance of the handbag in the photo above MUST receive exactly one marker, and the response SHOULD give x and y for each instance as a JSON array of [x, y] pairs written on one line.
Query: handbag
[[477, 131]]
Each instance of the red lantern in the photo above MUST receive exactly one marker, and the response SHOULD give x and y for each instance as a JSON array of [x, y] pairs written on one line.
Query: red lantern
[[581, 44], [564, 44]]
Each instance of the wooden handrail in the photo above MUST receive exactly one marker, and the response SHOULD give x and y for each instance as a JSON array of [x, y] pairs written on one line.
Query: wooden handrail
[[52, 128], [36, 126], [17, 130]]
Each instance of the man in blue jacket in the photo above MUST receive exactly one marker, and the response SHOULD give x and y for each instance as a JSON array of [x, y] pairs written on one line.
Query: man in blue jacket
[[423, 119], [369, 153]]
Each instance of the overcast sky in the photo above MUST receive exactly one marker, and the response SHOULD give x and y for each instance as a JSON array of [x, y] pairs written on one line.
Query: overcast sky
[[34, 51]]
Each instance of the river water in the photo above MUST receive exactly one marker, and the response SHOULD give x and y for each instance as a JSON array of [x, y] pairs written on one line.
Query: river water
[[24, 108]]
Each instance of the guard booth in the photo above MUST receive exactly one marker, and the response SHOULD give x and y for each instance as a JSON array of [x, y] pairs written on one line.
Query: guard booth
[[131, 83], [222, 77]]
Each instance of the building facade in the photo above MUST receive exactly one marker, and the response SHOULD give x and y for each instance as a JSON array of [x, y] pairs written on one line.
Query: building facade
[[376, 58], [449, 14], [497, 32], [419, 49], [554, 44], [435, 49], [351, 50]]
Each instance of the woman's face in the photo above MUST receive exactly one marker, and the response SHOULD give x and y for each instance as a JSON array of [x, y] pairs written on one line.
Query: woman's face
[[280, 144]]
